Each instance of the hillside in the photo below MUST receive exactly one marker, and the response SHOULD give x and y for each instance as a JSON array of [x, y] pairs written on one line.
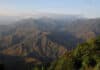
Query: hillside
[[40, 41], [85, 57]]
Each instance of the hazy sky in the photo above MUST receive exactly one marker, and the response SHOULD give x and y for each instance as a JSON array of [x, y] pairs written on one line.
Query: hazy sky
[[88, 8]]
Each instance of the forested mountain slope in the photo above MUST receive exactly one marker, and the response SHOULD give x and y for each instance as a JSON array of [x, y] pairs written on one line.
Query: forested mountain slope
[[43, 40]]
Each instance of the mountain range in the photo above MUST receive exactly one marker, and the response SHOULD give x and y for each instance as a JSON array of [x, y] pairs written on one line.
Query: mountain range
[[46, 38]]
